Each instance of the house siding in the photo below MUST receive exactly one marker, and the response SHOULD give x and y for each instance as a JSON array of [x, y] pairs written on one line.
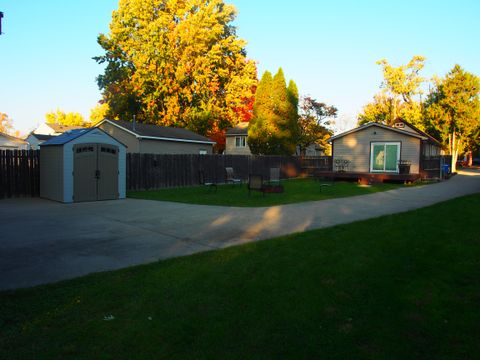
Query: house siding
[[130, 140], [231, 149], [355, 147], [148, 146]]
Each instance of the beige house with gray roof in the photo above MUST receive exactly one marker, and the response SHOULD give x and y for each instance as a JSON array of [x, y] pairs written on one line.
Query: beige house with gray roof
[[154, 139], [377, 148]]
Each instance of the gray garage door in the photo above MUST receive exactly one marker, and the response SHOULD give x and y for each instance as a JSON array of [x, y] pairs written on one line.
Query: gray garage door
[[95, 172]]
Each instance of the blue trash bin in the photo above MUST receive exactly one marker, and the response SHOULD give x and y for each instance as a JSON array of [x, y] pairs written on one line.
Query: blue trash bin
[[446, 169]]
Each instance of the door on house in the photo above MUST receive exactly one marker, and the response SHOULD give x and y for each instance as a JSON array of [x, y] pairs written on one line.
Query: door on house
[[95, 172], [384, 156]]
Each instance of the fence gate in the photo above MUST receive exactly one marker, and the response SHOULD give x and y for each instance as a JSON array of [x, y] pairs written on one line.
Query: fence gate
[[95, 172]]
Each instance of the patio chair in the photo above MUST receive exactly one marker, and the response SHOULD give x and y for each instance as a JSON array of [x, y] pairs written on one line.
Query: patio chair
[[230, 178], [325, 180], [275, 176], [201, 180], [255, 182]]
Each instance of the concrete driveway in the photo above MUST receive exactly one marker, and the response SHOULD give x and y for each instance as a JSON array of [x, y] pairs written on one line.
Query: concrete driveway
[[43, 241]]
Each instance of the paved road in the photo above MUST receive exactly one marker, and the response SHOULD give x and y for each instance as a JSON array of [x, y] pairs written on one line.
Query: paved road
[[43, 241]]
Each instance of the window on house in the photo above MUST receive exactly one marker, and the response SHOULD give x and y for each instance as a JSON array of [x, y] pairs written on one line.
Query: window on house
[[240, 141], [384, 157], [203, 152]]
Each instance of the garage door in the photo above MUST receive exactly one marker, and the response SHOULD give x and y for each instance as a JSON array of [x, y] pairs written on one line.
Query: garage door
[[95, 172]]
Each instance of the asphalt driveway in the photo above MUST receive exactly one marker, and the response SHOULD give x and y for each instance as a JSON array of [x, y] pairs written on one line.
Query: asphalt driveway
[[43, 241]]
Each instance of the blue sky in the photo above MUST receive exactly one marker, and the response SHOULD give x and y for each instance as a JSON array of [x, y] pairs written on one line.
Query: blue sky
[[328, 47]]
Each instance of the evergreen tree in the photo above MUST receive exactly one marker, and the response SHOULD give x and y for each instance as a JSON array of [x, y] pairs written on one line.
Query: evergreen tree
[[259, 129], [272, 129]]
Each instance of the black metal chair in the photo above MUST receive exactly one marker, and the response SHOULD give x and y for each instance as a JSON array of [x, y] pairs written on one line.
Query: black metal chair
[[202, 181], [255, 182], [230, 178]]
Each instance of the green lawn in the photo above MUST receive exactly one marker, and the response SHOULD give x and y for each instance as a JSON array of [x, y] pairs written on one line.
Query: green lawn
[[404, 286], [297, 190]]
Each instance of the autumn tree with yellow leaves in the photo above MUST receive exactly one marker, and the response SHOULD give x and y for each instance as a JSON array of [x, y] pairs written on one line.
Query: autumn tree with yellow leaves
[[400, 87], [176, 63]]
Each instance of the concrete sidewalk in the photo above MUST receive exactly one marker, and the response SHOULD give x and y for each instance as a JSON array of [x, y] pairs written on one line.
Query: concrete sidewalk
[[43, 241]]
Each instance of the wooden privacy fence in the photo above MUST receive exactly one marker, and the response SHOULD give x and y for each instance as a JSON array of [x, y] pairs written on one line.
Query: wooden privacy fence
[[19, 173], [150, 171]]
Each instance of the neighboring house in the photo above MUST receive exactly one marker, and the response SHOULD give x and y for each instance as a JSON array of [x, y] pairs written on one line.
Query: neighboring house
[[154, 139], [54, 129], [45, 132], [8, 142], [236, 143], [377, 148], [236, 140], [313, 150], [36, 139]]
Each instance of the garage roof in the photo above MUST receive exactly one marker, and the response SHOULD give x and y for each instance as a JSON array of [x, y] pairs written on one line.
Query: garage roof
[[156, 132]]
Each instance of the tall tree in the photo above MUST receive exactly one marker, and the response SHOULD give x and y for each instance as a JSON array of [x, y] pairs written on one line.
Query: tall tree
[[314, 123], [261, 125], [6, 125], [273, 129], [452, 111], [176, 63], [61, 117], [400, 86], [99, 113]]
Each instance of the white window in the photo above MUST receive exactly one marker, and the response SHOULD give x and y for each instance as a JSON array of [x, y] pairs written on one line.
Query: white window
[[203, 152], [384, 156], [240, 141]]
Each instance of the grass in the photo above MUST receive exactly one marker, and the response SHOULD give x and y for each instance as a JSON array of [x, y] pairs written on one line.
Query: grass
[[405, 286], [297, 190]]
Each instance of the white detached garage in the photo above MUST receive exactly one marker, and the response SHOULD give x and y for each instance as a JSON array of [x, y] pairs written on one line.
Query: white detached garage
[[82, 165]]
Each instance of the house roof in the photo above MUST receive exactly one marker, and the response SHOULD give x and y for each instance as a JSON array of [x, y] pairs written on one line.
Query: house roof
[[13, 139], [371, 124], [60, 128], [155, 132], [430, 138], [41, 137], [240, 129]]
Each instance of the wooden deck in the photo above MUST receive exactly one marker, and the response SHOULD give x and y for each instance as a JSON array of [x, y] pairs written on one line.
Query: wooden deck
[[367, 178]]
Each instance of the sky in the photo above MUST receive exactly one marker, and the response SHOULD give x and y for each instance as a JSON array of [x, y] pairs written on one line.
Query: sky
[[329, 48]]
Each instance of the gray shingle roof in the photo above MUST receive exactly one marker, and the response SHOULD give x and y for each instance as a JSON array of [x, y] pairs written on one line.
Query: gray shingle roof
[[240, 129], [60, 128], [155, 131], [42, 137]]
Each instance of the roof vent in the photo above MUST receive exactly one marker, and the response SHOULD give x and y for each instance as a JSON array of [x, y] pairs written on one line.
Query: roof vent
[[399, 125]]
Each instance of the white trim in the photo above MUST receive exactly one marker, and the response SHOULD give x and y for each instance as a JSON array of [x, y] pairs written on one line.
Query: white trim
[[366, 126], [384, 143], [176, 140], [154, 137], [243, 142]]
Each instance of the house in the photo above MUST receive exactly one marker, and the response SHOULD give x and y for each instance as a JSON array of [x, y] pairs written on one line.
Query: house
[[378, 149], [34, 140], [236, 143], [8, 142], [54, 129], [236, 140], [154, 139], [45, 132]]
